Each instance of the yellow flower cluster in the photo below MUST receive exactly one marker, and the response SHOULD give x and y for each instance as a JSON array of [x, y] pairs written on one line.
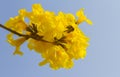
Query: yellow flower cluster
[[57, 38]]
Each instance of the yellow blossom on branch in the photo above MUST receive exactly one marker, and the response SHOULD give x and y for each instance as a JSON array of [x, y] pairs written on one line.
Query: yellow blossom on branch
[[57, 38]]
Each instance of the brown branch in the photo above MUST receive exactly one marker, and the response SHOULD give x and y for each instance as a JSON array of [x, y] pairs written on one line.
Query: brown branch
[[2, 26], [37, 37]]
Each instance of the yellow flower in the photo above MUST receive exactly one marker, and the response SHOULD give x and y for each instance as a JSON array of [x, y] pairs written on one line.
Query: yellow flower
[[17, 23], [82, 17], [57, 38], [17, 43]]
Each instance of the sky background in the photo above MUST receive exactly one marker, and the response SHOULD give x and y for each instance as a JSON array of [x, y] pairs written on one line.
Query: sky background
[[103, 54]]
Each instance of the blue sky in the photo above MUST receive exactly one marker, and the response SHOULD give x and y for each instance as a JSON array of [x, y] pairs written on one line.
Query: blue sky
[[102, 58]]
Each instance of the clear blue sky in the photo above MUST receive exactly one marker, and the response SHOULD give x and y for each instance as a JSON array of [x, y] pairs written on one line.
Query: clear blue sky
[[103, 54]]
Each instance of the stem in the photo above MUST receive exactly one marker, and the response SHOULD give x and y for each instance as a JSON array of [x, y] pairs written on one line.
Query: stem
[[2, 26], [26, 36], [37, 37]]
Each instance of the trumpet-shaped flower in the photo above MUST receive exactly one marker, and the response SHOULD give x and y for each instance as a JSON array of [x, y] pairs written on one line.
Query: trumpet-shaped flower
[[82, 17], [57, 38]]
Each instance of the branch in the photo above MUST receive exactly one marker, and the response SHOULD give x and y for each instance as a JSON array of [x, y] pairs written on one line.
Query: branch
[[37, 37], [2, 26]]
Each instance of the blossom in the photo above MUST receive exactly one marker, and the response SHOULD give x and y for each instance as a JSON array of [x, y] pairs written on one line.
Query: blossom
[[82, 17], [57, 38]]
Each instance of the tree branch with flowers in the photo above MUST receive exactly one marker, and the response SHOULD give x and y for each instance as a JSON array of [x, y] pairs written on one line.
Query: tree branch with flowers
[[57, 38]]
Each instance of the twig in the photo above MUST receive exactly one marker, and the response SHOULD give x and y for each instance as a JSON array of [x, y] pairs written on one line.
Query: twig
[[2, 26], [36, 36]]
